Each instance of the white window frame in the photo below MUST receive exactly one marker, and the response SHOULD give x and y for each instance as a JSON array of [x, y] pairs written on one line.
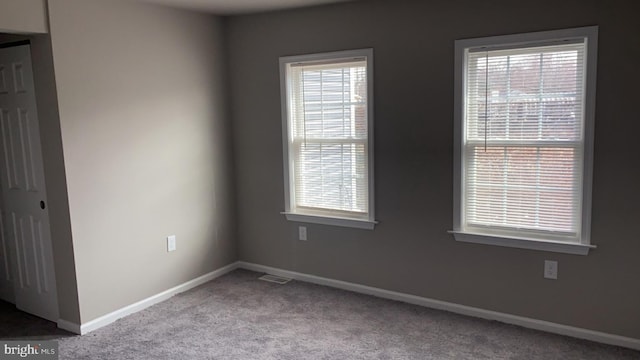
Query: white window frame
[[325, 217], [516, 239]]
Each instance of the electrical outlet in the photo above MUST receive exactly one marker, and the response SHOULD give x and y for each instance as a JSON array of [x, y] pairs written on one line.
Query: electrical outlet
[[171, 243], [302, 233], [550, 269]]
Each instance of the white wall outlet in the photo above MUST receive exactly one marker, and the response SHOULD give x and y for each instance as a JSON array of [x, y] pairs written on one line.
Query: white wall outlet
[[302, 233], [171, 243], [550, 269]]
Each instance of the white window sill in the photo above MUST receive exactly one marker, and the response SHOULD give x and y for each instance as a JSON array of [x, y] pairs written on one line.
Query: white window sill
[[542, 245], [335, 221]]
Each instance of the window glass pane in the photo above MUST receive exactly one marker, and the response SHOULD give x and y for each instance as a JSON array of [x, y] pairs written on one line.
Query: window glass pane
[[332, 176], [523, 188], [525, 96], [331, 102]]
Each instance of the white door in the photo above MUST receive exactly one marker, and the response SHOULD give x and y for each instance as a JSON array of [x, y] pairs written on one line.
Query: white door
[[7, 260], [26, 234]]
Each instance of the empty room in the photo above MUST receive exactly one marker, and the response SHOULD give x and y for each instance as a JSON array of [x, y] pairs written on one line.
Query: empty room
[[319, 179]]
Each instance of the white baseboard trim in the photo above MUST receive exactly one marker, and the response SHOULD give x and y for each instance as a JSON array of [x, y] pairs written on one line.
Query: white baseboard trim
[[143, 304], [530, 323]]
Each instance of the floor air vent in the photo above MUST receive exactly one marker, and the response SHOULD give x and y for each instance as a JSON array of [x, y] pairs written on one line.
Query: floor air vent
[[275, 279]]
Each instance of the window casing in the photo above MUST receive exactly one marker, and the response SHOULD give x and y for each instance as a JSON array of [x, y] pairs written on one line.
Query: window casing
[[524, 112], [328, 148]]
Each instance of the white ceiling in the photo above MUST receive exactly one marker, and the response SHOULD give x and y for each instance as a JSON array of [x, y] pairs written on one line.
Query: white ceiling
[[234, 7]]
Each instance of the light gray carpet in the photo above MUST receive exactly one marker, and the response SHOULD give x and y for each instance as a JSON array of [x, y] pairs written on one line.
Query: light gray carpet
[[238, 316], [18, 325]]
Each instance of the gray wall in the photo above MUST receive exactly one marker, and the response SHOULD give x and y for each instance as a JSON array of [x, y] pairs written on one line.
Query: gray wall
[[410, 250], [145, 137], [23, 16]]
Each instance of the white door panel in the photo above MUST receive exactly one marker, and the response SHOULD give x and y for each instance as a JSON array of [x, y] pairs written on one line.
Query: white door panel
[[26, 220], [7, 261]]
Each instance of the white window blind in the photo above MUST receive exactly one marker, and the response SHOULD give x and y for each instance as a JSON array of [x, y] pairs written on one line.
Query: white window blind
[[523, 143], [327, 107]]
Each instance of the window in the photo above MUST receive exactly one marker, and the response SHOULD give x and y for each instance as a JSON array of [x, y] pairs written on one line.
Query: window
[[524, 140], [328, 148]]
